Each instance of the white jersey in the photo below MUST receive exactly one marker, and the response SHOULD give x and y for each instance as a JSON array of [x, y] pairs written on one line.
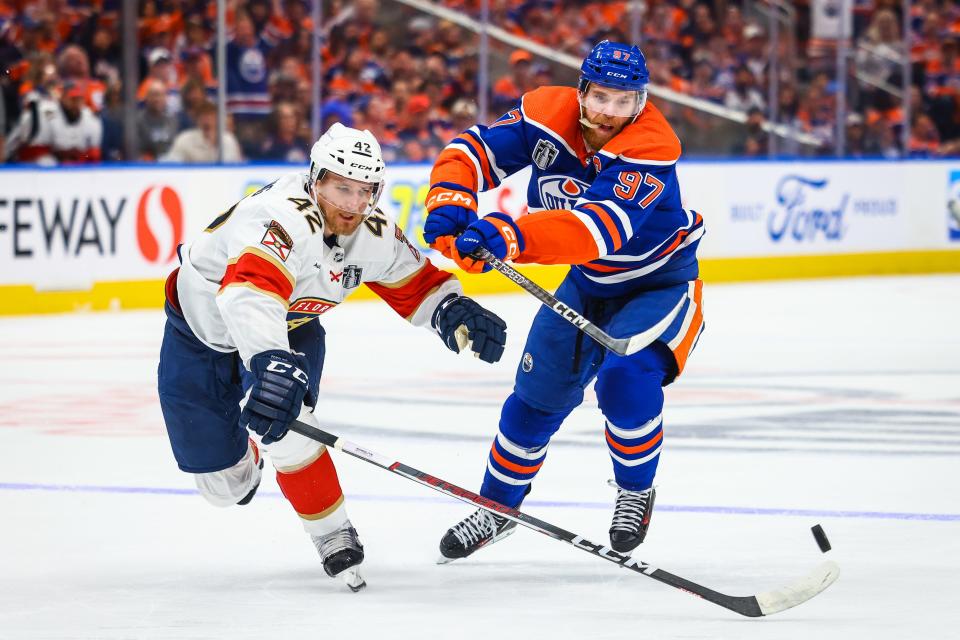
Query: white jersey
[[45, 136], [263, 267]]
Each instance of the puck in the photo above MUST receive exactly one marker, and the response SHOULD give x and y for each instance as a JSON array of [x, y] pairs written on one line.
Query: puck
[[821, 538]]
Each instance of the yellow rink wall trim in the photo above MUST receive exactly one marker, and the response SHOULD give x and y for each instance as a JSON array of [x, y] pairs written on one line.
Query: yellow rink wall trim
[[148, 294]]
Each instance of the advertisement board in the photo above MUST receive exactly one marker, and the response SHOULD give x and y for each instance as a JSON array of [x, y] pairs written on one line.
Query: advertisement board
[[71, 228]]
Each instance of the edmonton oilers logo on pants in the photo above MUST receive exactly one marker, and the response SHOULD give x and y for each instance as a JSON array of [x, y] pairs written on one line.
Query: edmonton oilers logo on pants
[[159, 213], [527, 363]]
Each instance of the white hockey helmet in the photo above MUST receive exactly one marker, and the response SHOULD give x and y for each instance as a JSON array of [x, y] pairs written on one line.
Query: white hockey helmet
[[349, 153]]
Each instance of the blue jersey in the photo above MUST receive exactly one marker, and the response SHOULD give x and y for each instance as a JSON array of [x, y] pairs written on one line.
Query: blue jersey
[[615, 215]]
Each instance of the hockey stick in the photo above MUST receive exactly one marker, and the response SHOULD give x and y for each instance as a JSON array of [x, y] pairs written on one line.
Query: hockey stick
[[620, 346], [762, 604]]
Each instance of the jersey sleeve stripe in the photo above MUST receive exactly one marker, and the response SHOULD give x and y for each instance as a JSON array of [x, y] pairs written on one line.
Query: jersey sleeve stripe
[[594, 230], [254, 268], [559, 236], [499, 173], [476, 147], [406, 296], [620, 215], [460, 147], [616, 234], [455, 167]]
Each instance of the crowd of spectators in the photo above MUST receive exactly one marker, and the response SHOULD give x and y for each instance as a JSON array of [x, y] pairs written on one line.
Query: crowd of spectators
[[412, 79]]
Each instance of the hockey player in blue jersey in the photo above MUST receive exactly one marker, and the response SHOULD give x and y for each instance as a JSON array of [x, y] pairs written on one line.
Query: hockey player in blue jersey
[[604, 198]]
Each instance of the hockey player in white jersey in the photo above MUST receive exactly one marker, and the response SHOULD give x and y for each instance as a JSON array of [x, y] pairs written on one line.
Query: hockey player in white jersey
[[243, 348]]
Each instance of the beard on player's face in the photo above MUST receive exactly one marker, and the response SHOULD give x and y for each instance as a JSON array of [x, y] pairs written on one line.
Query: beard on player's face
[[343, 203], [608, 127]]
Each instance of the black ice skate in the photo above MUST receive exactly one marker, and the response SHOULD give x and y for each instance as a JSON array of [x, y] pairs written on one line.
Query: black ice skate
[[341, 551], [478, 529], [631, 518]]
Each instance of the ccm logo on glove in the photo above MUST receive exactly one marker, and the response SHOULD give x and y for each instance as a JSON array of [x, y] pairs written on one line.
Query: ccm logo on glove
[[283, 367]]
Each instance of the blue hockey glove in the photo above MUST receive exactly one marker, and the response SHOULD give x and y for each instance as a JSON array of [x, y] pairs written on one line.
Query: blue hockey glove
[[495, 232], [449, 211], [277, 395], [461, 321]]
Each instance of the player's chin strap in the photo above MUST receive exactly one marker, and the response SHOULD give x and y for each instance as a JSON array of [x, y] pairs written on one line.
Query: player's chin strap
[[753, 606], [620, 346]]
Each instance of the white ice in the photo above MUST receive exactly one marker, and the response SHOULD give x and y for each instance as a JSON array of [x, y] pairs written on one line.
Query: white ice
[[832, 401]]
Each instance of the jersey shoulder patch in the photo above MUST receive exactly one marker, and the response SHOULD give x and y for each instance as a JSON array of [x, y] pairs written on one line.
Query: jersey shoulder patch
[[648, 140]]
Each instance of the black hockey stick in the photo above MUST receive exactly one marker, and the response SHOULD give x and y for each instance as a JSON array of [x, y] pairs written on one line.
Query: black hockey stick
[[620, 346], [762, 604]]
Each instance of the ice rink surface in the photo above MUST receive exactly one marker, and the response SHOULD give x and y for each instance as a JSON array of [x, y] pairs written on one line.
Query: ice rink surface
[[833, 401]]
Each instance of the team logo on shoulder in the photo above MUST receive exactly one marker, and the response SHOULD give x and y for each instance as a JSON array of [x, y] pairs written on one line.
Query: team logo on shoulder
[[527, 362], [544, 154], [403, 238], [303, 310], [560, 192], [277, 240], [351, 276]]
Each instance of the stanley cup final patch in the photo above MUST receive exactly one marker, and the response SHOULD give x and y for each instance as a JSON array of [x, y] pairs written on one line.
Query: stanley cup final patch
[[277, 240], [545, 153], [352, 276]]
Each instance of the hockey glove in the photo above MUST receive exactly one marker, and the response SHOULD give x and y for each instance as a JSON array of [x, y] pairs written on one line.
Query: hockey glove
[[462, 322], [277, 395], [450, 209], [446, 246], [495, 232]]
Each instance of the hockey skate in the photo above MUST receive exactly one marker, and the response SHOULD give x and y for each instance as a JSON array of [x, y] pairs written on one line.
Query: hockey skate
[[477, 530], [342, 553], [631, 518]]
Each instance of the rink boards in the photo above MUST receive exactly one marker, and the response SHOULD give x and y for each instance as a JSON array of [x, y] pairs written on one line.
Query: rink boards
[[103, 238]]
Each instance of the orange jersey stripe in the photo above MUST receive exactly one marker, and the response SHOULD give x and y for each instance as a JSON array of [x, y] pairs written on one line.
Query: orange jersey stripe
[[676, 243], [682, 352], [513, 466], [408, 297], [454, 166], [259, 272], [608, 223], [556, 236], [640, 448], [605, 268], [484, 161]]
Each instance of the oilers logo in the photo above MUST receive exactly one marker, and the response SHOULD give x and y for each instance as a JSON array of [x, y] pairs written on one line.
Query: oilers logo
[[560, 192]]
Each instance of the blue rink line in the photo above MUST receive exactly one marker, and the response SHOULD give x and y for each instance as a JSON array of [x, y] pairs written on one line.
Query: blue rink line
[[743, 511]]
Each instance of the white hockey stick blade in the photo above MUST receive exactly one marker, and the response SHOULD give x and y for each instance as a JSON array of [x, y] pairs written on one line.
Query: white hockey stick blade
[[353, 579], [799, 592], [645, 339]]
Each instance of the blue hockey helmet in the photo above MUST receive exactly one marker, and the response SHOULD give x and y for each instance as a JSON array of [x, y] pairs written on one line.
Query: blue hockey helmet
[[615, 65]]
